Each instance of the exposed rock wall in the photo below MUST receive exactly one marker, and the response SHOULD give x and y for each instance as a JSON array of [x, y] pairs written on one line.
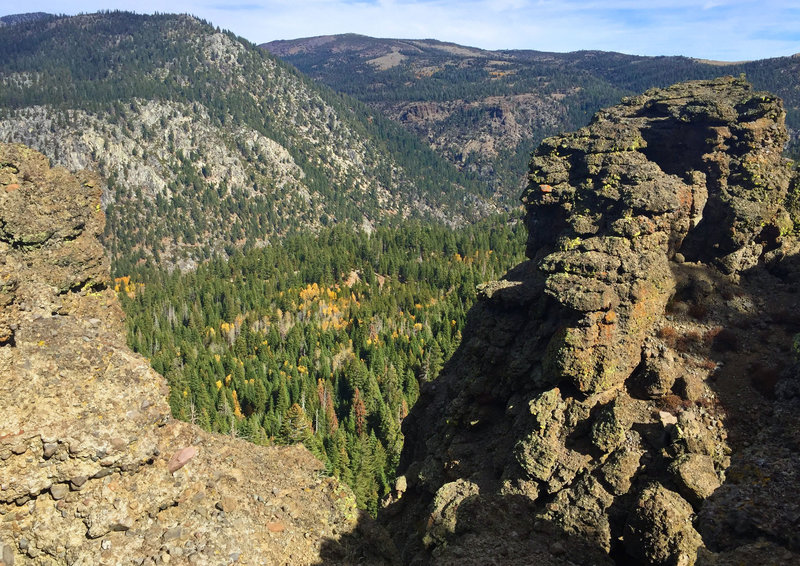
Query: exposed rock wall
[[625, 395], [93, 469]]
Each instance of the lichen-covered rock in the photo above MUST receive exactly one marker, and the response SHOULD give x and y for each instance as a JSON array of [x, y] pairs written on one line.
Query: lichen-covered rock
[[660, 529], [620, 469], [584, 510], [657, 372], [610, 427], [695, 476], [605, 383], [443, 518], [93, 469], [622, 195], [543, 454], [57, 215]]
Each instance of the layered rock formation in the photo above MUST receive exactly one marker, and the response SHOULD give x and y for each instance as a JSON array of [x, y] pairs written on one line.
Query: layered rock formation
[[93, 469], [628, 394]]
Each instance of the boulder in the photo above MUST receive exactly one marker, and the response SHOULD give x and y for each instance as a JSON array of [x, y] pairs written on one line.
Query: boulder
[[659, 530]]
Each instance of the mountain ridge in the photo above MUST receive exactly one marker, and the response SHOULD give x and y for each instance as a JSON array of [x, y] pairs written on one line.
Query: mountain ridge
[[178, 114], [13, 19], [485, 110]]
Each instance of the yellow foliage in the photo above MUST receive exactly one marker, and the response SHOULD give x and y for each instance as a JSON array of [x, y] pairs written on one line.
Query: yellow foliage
[[124, 284], [228, 379], [310, 293], [237, 409], [219, 384]]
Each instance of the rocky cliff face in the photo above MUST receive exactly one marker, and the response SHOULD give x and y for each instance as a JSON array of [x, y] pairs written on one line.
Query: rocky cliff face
[[93, 470], [629, 394]]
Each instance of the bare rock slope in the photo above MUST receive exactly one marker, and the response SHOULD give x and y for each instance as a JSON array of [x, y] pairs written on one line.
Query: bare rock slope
[[93, 469], [628, 395]]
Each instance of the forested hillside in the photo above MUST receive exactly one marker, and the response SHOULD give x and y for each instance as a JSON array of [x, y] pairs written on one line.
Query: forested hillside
[[485, 111], [15, 19], [323, 340], [210, 144]]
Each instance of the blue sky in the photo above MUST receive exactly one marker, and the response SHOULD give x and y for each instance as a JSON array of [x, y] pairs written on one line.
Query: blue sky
[[727, 30]]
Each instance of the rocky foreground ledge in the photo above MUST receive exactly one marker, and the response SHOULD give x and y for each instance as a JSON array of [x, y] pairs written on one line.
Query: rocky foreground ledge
[[93, 469], [630, 394]]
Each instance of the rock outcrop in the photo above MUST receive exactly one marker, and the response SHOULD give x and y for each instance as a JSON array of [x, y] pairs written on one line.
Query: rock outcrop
[[628, 394], [93, 469]]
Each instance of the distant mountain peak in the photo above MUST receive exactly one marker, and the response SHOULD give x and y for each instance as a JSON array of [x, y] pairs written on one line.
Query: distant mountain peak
[[13, 19]]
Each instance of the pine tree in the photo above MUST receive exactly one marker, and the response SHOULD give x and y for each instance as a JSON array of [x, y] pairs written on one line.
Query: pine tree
[[432, 363], [295, 427]]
